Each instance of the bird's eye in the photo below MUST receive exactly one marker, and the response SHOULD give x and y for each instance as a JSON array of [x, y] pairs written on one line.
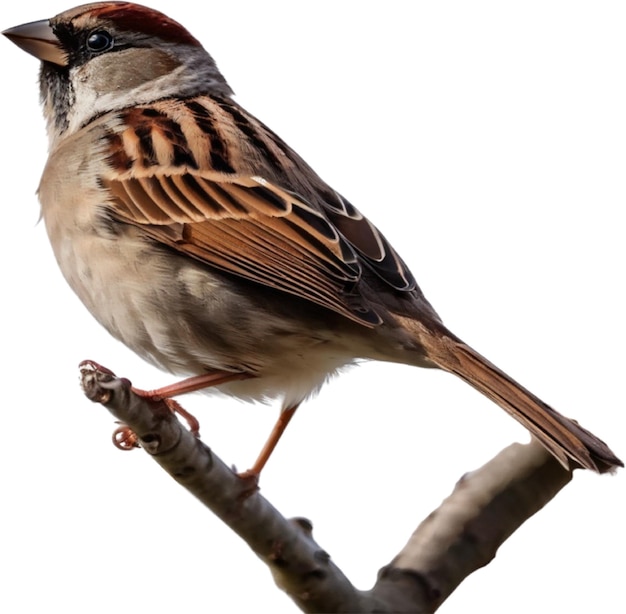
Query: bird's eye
[[100, 40]]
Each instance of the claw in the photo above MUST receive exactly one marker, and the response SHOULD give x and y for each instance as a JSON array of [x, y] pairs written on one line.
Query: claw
[[174, 406], [250, 480], [124, 438]]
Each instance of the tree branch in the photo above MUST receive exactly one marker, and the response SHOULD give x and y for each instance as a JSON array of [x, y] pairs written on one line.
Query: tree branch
[[462, 535], [485, 508]]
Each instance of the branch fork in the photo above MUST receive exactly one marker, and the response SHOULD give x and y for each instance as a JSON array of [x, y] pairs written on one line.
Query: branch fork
[[462, 535]]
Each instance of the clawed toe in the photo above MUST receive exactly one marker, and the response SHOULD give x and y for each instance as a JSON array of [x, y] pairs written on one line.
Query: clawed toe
[[124, 438]]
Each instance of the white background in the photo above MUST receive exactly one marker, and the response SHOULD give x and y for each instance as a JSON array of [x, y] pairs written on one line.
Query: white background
[[488, 141]]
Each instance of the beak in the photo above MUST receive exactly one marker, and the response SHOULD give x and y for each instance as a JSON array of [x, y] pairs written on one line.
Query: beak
[[38, 39]]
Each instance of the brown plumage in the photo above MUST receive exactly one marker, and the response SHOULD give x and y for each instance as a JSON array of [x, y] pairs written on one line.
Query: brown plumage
[[200, 239]]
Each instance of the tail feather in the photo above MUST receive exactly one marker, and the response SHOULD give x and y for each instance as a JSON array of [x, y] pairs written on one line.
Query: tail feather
[[563, 437]]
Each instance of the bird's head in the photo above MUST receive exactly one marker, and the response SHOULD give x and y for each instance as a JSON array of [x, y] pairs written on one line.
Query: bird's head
[[110, 55]]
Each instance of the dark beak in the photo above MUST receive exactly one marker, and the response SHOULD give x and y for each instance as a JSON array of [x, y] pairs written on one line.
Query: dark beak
[[38, 39]]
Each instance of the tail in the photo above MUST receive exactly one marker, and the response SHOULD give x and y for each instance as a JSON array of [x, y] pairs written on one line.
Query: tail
[[564, 438]]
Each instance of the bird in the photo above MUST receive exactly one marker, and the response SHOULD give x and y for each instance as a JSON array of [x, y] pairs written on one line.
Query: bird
[[197, 237]]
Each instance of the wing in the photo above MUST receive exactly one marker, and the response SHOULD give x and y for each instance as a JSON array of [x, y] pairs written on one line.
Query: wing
[[208, 180]]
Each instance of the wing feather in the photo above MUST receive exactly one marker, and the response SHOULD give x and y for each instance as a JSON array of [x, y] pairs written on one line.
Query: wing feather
[[272, 221]]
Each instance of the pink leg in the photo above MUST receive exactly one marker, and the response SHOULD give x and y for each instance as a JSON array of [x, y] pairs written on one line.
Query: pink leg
[[279, 428], [191, 384], [125, 439]]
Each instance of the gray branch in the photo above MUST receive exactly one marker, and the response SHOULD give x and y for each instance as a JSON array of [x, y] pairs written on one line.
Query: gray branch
[[462, 535]]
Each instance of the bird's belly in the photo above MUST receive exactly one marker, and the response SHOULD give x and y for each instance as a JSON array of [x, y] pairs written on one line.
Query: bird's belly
[[185, 319]]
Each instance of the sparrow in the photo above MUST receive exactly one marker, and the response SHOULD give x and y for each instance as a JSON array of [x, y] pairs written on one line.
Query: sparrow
[[201, 240]]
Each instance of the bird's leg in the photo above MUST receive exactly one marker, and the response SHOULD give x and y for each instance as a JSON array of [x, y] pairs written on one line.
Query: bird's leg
[[191, 384], [125, 439], [279, 428]]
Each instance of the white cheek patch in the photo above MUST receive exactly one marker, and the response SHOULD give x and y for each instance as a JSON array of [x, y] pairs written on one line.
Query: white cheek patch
[[83, 100]]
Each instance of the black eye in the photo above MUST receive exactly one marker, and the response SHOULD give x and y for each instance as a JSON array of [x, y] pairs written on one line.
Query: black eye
[[100, 40]]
